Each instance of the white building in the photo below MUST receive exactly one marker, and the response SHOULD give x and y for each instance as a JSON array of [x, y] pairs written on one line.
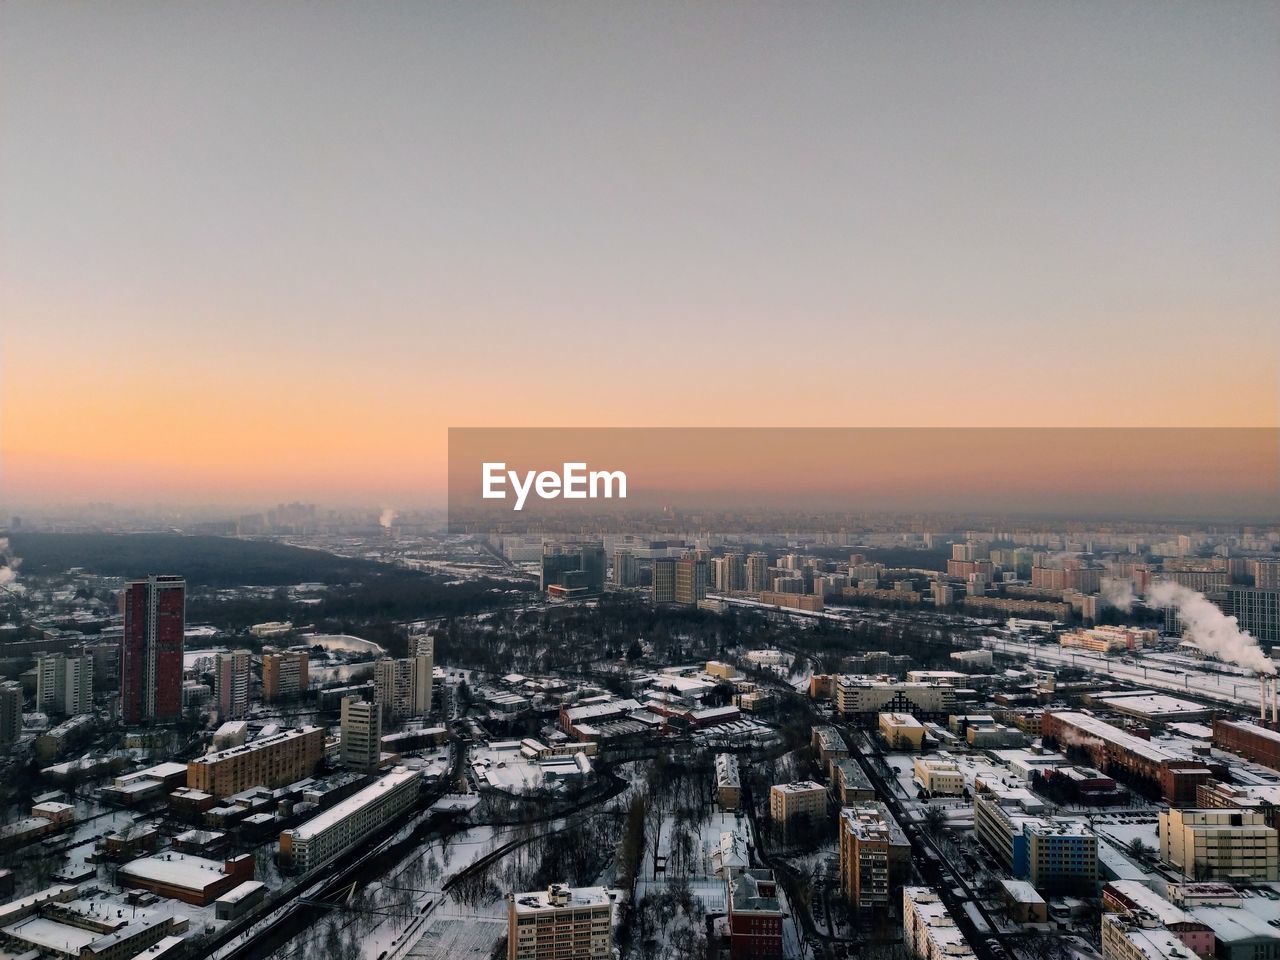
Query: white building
[[928, 930], [338, 829]]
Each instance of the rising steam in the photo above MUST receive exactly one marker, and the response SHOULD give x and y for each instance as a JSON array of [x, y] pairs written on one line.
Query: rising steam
[[8, 563], [1209, 628], [388, 517], [1118, 593]]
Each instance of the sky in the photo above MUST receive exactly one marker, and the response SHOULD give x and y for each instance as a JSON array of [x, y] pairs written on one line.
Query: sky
[[261, 252]]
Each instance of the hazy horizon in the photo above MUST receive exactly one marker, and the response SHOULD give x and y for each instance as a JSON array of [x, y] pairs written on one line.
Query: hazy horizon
[[255, 254]]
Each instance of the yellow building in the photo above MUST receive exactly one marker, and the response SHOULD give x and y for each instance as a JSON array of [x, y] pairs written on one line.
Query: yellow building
[[271, 762], [940, 777], [902, 731]]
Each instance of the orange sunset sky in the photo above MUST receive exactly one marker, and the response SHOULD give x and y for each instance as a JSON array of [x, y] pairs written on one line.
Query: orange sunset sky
[[258, 253]]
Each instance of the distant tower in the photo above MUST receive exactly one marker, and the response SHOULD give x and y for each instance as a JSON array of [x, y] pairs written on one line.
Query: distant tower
[[151, 651]]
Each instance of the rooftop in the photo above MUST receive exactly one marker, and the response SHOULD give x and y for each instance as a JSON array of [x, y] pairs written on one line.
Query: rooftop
[[318, 824]]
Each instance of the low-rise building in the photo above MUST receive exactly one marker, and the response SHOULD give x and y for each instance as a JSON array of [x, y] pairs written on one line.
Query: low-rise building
[[940, 777], [349, 822], [901, 731], [181, 876], [728, 781], [850, 783], [755, 916]]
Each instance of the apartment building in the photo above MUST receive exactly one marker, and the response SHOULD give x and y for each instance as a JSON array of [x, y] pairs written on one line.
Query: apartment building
[[286, 674], [789, 802], [929, 932], [64, 683], [231, 675], [403, 687], [270, 762], [560, 923], [361, 733], [728, 782], [874, 856]]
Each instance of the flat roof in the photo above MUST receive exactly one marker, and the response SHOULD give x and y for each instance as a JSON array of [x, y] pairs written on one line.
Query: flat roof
[[176, 870], [254, 745], [59, 937], [578, 897], [318, 824]]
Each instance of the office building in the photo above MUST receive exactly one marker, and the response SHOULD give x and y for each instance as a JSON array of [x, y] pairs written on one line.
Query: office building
[[64, 683], [231, 672], [664, 580], [154, 612], [352, 821], [691, 580], [271, 762], [560, 923], [361, 733], [1109, 639], [286, 674], [940, 778], [755, 916], [875, 856], [1220, 844], [1056, 855], [626, 571], [865, 698]]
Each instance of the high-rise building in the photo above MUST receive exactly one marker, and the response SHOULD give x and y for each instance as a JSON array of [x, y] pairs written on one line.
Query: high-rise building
[[403, 687], [1258, 611], [625, 572], [691, 580], [286, 674], [361, 733], [231, 682], [758, 572], [593, 565], [64, 683], [560, 923], [154, 612], [10, 711], [664, 580], [875, 856], [1266, 574]]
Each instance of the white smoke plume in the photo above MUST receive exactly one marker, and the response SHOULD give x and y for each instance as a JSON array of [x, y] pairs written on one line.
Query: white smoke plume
[[1071, 737], [8, 563], [1118, 593], [1209, 628], [388, 517]]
